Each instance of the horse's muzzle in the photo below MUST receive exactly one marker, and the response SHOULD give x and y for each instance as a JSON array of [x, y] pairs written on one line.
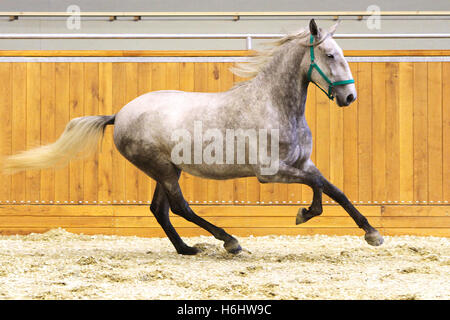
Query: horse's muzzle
[[346, 101]]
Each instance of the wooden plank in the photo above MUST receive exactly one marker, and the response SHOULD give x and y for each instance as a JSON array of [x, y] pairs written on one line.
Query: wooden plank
[[105, 156], [62, 117], [6, 124], [145, 183], [28, 230], [406, 143], [267, 193], [91, 97], [351, 162], [131, 172], [365, 131], [240, 232], [392, 133], [224, 222], [294, 193], [48, 110], [446, 129], [240, 191], [253, 190], [421, 211], [434, 142], [415, 222], [76, 109], [202, 210], [118, 162], [19, 126], [378, 143], [55, 222], [281, 192], [420, 127], [192, 231], [423, 232], [33, 177], [278, 210], [66, 210]]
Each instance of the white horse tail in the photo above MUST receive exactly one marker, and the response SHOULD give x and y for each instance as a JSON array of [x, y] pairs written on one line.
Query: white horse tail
[[79, 139]]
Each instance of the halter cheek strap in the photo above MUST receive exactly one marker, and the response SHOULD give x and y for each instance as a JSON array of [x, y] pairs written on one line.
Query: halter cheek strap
[[313, 65]]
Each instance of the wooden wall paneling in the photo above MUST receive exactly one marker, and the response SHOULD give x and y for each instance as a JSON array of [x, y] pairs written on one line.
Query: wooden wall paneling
[[91, 97], [434, 109], [351, 164], [62, 117], [392, 133], [33, 177], [106, 149], [420, 125], [18, 126]]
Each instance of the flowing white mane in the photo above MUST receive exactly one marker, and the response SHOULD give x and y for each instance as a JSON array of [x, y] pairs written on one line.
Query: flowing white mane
[[255, 63]]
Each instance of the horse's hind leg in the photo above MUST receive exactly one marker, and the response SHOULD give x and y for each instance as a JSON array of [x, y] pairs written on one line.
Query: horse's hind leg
[[180, 207], [160, 209]]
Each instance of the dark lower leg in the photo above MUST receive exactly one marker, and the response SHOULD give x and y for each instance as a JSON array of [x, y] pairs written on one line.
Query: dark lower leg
[[372, 236], [314, 210], [338, 196], [180, 207], [160, 209]]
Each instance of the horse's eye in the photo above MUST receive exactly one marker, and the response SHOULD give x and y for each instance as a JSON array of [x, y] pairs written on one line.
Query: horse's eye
[[330, 56]]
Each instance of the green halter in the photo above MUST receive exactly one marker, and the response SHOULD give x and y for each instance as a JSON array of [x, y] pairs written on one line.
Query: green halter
[[313, 65]]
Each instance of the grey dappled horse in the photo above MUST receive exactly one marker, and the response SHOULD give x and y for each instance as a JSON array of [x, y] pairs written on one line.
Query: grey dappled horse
[[274, 98]]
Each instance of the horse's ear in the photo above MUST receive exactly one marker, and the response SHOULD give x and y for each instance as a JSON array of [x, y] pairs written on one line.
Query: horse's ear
[[314, 29], [333, 28]]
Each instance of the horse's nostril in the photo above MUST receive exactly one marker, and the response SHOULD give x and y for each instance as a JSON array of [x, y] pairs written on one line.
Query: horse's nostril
[[350, 98]]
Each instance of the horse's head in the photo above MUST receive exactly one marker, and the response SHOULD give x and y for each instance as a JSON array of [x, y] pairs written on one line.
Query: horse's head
[[327, 67]]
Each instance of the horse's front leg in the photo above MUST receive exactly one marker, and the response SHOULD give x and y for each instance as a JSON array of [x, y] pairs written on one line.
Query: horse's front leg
[[308, 175], [312, 177], [372, 236]]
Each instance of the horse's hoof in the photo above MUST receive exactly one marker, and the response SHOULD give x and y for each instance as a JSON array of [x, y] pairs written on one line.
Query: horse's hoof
[[301, 216], [232, 246], [374, 238], [188, 251]]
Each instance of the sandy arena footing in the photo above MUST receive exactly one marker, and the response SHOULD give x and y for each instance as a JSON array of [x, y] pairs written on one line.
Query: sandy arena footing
[[62, 265]]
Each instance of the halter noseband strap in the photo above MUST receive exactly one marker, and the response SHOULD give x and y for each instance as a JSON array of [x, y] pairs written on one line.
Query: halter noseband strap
[[313, 65]]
